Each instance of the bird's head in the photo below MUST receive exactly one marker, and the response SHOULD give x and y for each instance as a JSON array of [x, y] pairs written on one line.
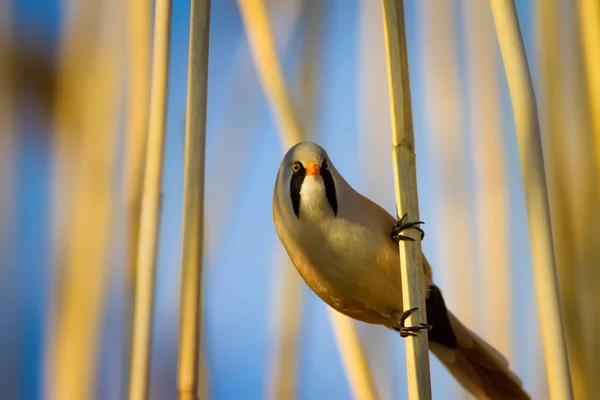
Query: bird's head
[[310, 179]]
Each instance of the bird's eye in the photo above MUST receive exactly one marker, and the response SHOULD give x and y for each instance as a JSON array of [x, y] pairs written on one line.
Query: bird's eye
[[296, 166], [325, 164]]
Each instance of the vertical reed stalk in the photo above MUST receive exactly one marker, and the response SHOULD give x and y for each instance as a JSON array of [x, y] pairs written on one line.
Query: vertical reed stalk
[[589, 20], [552, 116], [150, 212], [405, 180], [139, 29], [140, 25], [589, 23], [376, 173], [260, 35], [490, 168], [190, 340], [445, 129], [536, 195], [84, 156]]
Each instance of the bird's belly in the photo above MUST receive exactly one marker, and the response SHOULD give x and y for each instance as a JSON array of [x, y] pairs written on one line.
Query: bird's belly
[[355, 272]]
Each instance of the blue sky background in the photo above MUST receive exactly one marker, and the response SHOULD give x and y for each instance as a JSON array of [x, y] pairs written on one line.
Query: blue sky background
[[240, 260]]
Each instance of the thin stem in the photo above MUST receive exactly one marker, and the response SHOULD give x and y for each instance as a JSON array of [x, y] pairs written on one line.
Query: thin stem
[[190, 341], [150, 213], [536, 195], [405, 181]]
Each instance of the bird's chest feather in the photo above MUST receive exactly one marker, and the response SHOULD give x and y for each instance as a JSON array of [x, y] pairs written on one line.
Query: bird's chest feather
[[349, 264]]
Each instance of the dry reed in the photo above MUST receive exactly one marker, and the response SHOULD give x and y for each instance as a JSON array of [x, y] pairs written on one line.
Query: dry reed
[[492, 214], [536, 195], [405, 180], [84, 157], [150, 211], [190, 340]]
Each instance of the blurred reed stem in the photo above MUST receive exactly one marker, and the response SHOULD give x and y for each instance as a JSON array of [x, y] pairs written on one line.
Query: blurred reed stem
[[260, 36], [84, 156], [190, 340], [589, 22], [375, 173], [138, 92], [446, 132], [492, 213], [405, 183], [568, 261], [536, 195], [255, 17], [150, 211], [140, 25]]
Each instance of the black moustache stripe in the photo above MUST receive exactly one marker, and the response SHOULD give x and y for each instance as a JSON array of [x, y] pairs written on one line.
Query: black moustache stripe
[[296, 186], [330, 189]]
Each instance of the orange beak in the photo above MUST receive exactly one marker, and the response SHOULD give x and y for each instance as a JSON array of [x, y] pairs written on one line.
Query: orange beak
[[313, 169]]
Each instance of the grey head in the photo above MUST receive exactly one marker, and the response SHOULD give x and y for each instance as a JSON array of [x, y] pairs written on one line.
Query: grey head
[[308, 177]]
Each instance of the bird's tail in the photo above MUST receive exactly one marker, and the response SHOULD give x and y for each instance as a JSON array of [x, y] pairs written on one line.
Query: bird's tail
[[477, 366]]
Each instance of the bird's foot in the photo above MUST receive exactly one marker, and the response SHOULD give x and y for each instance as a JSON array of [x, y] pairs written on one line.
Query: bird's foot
[[401, 226], [406, 331]]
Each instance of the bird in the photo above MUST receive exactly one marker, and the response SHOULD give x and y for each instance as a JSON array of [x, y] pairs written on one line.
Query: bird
[[345, 248]]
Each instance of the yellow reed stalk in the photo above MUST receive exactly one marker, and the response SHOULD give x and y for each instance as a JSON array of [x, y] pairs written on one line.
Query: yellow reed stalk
[[376, 174], [84, 157], [589, 22], [190, 339], [354, 358], [445, 128], [536, 195], [405, 183], [150, 212], [262, 45], [492, 210], [283, 382], [260, 35], [140, 25], [568, 261]]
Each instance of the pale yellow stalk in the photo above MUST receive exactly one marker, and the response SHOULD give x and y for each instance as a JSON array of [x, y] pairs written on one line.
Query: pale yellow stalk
[[405, 179], [589, 25], [589, 22], [140, 26], [493, 216], [85, 130], [446, 131], [375, 171], [190, 339], [150, 212], [536, 196], [553, 119]]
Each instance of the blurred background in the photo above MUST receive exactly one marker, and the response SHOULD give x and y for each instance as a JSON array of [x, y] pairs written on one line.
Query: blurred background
[[74, 95]]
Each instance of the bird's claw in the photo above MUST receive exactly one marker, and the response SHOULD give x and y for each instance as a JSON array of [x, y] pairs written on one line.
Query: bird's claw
[[406, 331], [400, 226]]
